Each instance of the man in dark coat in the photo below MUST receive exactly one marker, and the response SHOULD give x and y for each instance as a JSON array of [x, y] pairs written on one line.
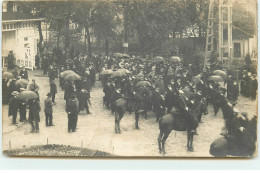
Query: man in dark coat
[[11, 60], [232, 90], [22, 110], [84, 97], [69, 89], [5, 91], [34, 87], [254, 86], [53, 90], [34, 114], [72, 109], [13, 106], [48, 110], [23, 73]]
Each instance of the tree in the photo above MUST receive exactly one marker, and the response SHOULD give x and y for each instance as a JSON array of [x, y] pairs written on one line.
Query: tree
[[85, 9], [34, 8]]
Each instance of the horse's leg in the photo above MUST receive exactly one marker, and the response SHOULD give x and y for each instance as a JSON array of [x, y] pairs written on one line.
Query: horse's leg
[[191, 141], [116, 122], [188, 140], [136, 119], [160, 141], [119, 119], [163, 141]]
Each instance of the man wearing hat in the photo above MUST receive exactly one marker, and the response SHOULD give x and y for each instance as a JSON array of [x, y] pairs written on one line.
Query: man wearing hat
[[34, 87], [68, 90], [48, 110], [13, 106], [72, 108]]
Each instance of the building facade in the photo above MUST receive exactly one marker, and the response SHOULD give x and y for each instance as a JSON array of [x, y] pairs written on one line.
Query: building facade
[[20, 35]]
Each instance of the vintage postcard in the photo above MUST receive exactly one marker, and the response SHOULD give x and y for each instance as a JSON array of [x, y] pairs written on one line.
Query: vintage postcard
[[129, 78]]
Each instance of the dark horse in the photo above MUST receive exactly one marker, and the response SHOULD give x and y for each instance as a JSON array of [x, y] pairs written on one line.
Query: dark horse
[[242, 143], [236, 142], [179, 122], [121, 106]]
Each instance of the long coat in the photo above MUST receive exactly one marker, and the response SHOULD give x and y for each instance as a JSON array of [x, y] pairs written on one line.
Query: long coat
[[13, 106], [48, 105], [68, 91], [34, 111], [53, 87]]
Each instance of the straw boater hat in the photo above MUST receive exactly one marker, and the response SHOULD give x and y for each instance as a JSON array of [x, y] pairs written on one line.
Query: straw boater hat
[[15, 93]]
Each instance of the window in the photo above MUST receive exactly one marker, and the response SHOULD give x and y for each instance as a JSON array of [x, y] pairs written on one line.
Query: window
[[11, 26], [7, 26], [237, 50], [25, 38], [4, 26]]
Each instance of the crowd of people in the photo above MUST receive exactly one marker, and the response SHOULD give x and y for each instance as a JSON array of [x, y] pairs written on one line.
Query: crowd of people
[[153, 83]]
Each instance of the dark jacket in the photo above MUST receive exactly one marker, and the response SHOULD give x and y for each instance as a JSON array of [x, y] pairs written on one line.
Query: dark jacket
[[13, 106], [34, 111], [48, 105], [68, 91], [23, 74], [53, 87], [72, 106]]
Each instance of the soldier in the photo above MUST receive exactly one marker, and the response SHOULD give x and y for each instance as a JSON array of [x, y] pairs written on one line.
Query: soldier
[[13, 106], [23, 73], [53, 90], [247, 84], [84, 100], [34, 114], [232, 90], [72, 109], [115, 95], [48, 110]]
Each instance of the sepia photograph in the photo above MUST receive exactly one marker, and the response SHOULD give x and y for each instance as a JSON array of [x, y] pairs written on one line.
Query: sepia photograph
[[129, 78]]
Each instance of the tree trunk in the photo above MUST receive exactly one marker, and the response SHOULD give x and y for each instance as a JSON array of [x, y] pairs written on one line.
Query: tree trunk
[[107, 47], [67, 36], [89, 42], [40, 36], [58, 39]]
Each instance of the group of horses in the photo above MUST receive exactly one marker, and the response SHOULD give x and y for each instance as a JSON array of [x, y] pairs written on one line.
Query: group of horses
[[175, 120]]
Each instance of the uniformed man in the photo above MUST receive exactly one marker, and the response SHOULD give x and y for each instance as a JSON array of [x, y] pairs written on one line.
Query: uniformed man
[[72, 108], [69, 89]]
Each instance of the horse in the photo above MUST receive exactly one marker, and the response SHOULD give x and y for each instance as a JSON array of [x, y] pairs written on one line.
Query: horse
[[241, 144], [177, 121], [121, 106]]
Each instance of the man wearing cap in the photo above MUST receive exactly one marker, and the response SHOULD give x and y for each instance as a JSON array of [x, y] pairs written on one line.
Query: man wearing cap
[[48, 110], [23, 73], [72, 109], [13, 106], [53, 90], [34, 87]]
